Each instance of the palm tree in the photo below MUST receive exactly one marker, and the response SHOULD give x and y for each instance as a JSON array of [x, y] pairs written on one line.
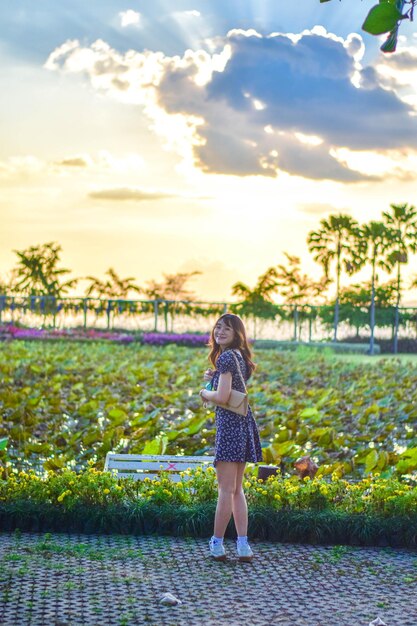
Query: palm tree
[[173, 287], [336, 241], [257, 302], [377, 239], [37, 272], [402, 219], [297, 288], [113, 288]]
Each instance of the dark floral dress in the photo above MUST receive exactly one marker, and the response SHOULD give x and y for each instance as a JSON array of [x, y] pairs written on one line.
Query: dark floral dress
[[237, 437]]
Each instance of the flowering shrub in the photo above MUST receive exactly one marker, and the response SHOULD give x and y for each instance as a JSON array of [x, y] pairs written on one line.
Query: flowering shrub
[[16, 332], [185, 339], [371, 495]]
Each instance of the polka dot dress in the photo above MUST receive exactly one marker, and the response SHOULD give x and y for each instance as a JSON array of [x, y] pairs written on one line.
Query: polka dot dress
[[237, 437]]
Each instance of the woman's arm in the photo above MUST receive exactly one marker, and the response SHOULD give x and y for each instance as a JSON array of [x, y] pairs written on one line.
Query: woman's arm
[[221, 395]]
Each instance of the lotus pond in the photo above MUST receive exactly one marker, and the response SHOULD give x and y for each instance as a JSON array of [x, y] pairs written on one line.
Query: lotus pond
[[65, 404]]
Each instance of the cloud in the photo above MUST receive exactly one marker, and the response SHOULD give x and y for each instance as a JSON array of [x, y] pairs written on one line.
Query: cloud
[[129, 18], [317, 208], [129, 193], [20, 168], [137, 194], [192, 13], [74, 162], [261, 104], [405, 59]]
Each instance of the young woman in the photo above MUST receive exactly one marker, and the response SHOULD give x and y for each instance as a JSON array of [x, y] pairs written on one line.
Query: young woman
[[237, 437]]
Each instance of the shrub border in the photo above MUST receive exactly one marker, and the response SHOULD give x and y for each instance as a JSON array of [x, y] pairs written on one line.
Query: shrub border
[[145, 518]]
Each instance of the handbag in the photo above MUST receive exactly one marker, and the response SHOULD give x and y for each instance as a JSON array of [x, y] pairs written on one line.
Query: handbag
[[238, 401]]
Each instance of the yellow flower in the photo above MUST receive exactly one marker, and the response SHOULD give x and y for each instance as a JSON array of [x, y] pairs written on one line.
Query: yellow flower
[[306, 479], [63, 495], [106, 491], [264, 492], [247, 484], [118, 487], [277, 497]]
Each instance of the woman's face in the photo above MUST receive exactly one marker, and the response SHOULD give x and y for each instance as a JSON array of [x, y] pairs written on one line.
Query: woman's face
[[223, 334]]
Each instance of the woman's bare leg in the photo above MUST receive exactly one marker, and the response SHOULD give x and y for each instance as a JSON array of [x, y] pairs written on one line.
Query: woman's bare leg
[[226, 478], [239, 505]]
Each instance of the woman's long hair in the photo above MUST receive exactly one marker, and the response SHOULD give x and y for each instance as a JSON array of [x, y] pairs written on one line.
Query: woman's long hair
[[240, 341]]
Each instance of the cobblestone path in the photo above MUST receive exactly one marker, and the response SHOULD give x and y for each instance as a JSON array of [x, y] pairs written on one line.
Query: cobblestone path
[[90, 580]]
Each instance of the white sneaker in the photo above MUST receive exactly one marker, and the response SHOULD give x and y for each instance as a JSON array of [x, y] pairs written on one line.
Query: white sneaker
[[217, 550], [244, 552]]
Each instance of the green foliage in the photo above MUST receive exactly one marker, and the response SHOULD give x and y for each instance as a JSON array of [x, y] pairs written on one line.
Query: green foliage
[[87, 399], [386, 17], [113, 287], [37, 272], [314, 346], [370, 511], [257, 302], [382, 18]]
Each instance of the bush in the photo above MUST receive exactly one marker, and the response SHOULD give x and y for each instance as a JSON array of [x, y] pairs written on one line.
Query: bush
[[405, 345], [339, 347], [373, 511]]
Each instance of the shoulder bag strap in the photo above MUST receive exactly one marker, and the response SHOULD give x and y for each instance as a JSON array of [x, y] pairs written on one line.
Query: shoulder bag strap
[[239, 370]]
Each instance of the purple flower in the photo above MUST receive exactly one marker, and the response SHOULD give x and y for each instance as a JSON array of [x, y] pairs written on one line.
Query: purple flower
[[185, 339]]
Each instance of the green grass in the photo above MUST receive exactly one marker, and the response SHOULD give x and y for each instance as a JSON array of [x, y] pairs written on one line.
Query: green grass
[[364, 359]]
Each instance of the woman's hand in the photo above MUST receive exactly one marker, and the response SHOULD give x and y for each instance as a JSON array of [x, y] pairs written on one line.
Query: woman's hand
[[221, 395], [208, 374]]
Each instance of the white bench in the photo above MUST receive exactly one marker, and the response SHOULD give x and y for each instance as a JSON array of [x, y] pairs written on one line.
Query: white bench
[[141, 466]]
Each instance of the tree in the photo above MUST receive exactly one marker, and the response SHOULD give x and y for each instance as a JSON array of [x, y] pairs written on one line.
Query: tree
[[337, 241], [402, 219], [37, 272], [298, 288], [355, 302], [386, 17], [172, 288], [377, 239], [114, 288], [257, 302]]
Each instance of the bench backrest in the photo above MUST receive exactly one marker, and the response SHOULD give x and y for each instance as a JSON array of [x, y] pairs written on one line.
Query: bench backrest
[[140, 466]]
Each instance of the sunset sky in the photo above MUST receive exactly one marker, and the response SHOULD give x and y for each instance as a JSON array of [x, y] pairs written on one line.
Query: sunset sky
[[202, 135]]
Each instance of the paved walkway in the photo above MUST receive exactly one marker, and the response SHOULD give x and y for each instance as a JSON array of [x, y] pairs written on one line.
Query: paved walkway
[[70, 580]]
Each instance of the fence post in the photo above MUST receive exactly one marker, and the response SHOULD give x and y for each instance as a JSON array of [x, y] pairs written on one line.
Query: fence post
[[166, 305], [310, 325], [295, 322], [155, 311], [85, 305], [42, 308], [108, 312], [54, 304]]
